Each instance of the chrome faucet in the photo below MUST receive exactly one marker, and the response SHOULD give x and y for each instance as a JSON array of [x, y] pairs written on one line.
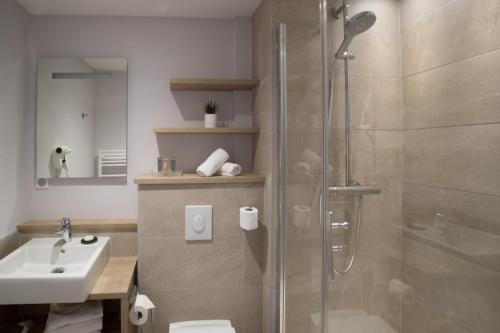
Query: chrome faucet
[[64, 229]]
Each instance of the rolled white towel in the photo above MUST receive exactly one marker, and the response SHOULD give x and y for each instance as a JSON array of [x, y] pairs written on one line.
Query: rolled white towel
[[229, 169], [62, 315], [213, 163]]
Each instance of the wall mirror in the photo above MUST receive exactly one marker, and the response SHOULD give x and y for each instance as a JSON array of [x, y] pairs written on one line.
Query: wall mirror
[[81, 118]]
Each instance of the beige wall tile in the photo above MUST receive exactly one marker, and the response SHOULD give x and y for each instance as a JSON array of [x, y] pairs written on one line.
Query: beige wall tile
[[162, 211], [478, 211], [386, 52], [303, 48], [452, 294], [462, 93], [361, 102], [387, 12], [412, 9], [463, 157], [433, 40], [123, 244], [230, 266], [388, 156], [387, 103], [173, 263]]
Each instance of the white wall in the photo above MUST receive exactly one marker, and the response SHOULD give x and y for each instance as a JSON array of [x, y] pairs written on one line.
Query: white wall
[[16, 81], [157, 49], [60, 104]]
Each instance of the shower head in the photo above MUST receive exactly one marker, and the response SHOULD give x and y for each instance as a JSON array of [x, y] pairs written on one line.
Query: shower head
[[354, 26]]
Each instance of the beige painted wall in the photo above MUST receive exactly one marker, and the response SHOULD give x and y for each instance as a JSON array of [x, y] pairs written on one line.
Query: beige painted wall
[[188, 280]]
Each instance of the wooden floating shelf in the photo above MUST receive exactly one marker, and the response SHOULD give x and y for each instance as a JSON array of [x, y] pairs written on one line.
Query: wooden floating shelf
[[221, 130], [212, 84], [192, 178], [116, 280]]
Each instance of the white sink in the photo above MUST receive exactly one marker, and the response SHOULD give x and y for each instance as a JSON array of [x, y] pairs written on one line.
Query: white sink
[[28, 277]]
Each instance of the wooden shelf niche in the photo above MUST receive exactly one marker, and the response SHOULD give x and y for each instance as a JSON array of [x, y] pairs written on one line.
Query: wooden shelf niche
[[193, 130], [185, 84]]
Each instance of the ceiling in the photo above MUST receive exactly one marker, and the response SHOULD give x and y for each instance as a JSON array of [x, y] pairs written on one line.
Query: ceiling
[[164, 8]]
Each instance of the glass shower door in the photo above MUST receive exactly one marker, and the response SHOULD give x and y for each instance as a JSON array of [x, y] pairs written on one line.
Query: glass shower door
[[300, 91]]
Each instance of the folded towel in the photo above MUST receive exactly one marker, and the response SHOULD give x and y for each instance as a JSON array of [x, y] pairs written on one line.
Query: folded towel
[[213, 163], [87, 326], [62, 315], [229, 169]]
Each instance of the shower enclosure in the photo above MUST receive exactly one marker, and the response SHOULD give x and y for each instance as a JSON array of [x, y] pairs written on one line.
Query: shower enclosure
[[387, 124]]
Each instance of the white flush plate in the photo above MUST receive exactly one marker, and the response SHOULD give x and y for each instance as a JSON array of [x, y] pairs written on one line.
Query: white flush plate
[[198, 222]]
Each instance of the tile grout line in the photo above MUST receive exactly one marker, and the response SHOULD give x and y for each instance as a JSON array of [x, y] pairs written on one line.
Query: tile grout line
[[486, 52], [450, 189], [449, 126]]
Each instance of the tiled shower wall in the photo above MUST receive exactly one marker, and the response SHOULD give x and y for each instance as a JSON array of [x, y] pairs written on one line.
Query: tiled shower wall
[[451, 187], [376, 150]]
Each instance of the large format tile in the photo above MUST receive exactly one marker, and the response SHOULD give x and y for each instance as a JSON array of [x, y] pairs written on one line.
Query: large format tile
[[462, 157], [387, 12], [462, 93], [386, 52], [162, 210], [387, 104], [450, 34], [412, 9], [375, 103], [421, 204], [173, 263]]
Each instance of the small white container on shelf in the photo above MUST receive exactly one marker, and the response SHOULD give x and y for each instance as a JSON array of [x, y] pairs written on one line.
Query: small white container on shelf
[[210, 120]]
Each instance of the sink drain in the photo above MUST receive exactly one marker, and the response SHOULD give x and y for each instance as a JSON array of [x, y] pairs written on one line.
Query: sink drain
[[57, 270]]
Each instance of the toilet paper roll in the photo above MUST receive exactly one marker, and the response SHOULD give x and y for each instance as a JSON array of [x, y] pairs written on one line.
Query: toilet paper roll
[[139, 312], [301, 217], [249, 218]]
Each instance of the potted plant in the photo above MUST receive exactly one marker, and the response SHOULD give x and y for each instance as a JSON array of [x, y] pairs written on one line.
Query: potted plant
[[211, 114]]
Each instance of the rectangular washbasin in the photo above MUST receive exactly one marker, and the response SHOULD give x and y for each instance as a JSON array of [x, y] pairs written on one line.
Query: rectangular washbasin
[[27, 275]]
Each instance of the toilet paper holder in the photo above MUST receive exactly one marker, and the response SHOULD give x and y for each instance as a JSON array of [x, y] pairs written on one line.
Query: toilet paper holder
[[137, 315]]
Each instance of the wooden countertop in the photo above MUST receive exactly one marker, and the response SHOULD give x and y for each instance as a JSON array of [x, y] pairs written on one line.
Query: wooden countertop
[[191, 178], [116, 279], [87, 225]]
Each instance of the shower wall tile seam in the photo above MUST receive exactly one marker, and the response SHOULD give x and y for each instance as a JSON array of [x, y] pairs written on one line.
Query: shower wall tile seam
[[144, 290], [449, 126], [486, 52], [450, 188], [423, 15]]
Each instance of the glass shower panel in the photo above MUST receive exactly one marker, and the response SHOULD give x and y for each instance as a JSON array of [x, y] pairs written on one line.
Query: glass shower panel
[[367, 298], [303, 136]]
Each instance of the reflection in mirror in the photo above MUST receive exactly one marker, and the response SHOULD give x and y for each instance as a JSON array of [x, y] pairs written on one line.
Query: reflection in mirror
[[81, 118]]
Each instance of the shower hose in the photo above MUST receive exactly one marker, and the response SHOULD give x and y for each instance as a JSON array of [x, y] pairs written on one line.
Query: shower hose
[[359, 199]]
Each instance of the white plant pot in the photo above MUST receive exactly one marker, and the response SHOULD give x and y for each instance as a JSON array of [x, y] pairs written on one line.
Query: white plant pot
[[210, 120]]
